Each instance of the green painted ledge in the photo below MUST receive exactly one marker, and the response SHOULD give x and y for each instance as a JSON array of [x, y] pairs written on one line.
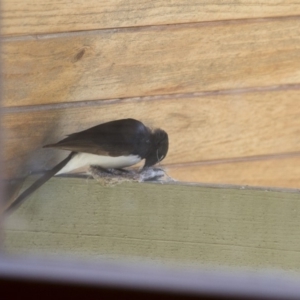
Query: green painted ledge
[[185, 224]]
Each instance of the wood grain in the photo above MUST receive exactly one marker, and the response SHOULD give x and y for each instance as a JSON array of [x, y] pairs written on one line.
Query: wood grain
[[280, 171], [178, 224], [150, 61], [218, 126], [47, 16]]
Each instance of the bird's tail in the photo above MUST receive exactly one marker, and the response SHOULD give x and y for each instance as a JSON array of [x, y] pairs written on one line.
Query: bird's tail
[[19, 200]]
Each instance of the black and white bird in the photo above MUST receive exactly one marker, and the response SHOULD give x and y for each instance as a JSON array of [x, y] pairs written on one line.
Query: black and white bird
[[113, 145]]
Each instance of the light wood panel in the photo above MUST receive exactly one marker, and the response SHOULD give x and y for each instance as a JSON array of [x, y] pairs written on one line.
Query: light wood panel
[[180, 224], [150, 61], [200, 128], [266, 172], [28, 17]]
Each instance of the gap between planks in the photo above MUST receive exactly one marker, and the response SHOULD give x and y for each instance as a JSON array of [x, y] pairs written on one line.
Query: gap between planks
[[104, 102], [235, 160], [160, 27]]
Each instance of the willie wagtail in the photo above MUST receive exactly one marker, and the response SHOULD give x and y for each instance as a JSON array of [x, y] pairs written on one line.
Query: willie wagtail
[[112, 145]]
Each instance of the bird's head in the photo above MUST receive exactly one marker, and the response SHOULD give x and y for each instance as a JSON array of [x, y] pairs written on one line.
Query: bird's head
[[159, 149]]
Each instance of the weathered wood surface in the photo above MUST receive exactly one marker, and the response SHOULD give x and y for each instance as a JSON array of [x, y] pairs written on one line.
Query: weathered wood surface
[[206, 128], [278, 171], [180, 224], [27, 17], [150, 61]]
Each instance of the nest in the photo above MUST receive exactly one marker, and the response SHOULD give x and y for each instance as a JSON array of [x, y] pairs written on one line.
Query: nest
[[110, 177]]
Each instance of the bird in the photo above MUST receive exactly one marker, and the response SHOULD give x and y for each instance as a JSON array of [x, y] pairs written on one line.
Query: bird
[[112, 145]]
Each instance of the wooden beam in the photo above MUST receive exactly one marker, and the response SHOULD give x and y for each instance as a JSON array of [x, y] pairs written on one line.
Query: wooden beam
[[48, 16], [188, 225], [150, 61]]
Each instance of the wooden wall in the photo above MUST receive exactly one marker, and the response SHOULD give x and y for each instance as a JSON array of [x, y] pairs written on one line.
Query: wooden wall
[[221, 77]]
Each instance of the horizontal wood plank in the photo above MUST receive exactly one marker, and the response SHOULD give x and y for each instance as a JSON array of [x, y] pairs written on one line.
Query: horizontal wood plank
[[150, 61], [47, 16], [204, 128], [267, 172], [179, 224]]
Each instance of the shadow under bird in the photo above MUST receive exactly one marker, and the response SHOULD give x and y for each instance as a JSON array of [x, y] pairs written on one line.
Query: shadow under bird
[[113, 145]]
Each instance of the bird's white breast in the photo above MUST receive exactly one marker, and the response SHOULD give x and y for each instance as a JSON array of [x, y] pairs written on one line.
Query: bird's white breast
[[84, 160]]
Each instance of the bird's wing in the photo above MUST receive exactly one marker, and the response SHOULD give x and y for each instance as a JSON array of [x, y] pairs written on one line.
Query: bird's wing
[[80, 145], [114, 138]]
